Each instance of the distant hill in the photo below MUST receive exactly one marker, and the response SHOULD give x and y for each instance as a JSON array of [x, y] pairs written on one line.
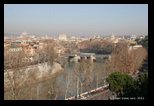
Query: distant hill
[[9, 34]]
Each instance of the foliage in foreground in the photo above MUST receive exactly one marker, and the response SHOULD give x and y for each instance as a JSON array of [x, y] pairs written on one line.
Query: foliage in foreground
[[125, 86]]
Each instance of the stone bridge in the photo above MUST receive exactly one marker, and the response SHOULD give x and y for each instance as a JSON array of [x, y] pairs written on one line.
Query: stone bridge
[[87, 56]]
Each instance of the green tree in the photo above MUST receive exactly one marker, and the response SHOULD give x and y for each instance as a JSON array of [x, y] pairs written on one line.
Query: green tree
[[132, 44], [137, 40], [124, 85], [143, 85], [144, 43], [117, 81], [139, 88]]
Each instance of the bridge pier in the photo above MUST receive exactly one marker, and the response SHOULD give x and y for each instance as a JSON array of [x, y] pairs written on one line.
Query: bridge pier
[[81, 58], [109, 57], [75, 58]]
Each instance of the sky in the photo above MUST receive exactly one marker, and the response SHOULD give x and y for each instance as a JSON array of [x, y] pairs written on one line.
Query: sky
[[76, 19]]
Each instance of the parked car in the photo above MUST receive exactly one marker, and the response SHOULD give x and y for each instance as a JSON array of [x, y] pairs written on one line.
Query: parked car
[[102, 90]]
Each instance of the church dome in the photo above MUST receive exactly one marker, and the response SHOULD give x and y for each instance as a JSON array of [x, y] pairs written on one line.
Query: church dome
[[112, 37], [24, 34]]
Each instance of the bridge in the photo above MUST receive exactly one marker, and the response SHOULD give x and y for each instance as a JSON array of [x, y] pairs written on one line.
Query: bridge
[[86, 56]]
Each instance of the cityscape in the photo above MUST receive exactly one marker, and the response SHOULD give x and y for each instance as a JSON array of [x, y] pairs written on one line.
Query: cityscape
[[75, 52]]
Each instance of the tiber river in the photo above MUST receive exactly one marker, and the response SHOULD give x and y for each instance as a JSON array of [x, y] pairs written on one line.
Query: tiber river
[[67, 79]]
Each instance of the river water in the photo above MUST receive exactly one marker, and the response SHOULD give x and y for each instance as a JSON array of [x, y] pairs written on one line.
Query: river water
[[72, 79]]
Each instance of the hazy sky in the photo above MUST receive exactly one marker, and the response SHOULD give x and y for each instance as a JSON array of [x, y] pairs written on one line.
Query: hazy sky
[[76, 19]]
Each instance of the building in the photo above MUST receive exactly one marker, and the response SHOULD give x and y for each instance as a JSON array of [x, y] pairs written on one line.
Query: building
[[134, 47], [127, 37], [28, 59], [30, 50], [142, 37], [15, 48], [62, 37], [23, 35], [73, 39], [6, 45], [113, 39], [132, 42], [133, 37], [41, 46], [33, 36]]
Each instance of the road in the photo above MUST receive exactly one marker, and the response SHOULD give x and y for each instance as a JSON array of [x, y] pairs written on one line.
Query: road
[[106, 95]]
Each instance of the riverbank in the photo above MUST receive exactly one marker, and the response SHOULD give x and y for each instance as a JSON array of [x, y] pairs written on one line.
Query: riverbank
[[31, 75]]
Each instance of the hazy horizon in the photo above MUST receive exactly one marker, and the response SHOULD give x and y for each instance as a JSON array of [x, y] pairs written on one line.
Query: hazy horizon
[[76, 19]]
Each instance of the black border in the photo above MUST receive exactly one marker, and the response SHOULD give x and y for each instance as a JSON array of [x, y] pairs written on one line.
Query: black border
[[150, 17], [77, 2]]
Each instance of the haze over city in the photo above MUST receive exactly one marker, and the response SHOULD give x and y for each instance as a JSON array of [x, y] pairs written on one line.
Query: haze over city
[[76, 19]]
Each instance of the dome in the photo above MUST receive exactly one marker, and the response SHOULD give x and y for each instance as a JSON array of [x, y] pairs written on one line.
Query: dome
[[62, 36], [24, 34], [112, 37]]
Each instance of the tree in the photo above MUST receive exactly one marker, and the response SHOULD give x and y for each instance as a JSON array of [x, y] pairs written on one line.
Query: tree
[[18, 75], [53, 87], [120, 59], [49, 52], [144, 43], [117, 81], [100, 74], [139, 87], [139, 55], [143, 85], [50, 55], [80, 72], [124, 60], [137, 39], [125, 86], [97, 46], [89, 75], [83, 76], [68, 80], [15, 76], [70, 47], [132, 44]]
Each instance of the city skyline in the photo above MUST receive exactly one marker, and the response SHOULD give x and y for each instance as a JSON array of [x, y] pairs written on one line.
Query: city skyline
[[76, 19]]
